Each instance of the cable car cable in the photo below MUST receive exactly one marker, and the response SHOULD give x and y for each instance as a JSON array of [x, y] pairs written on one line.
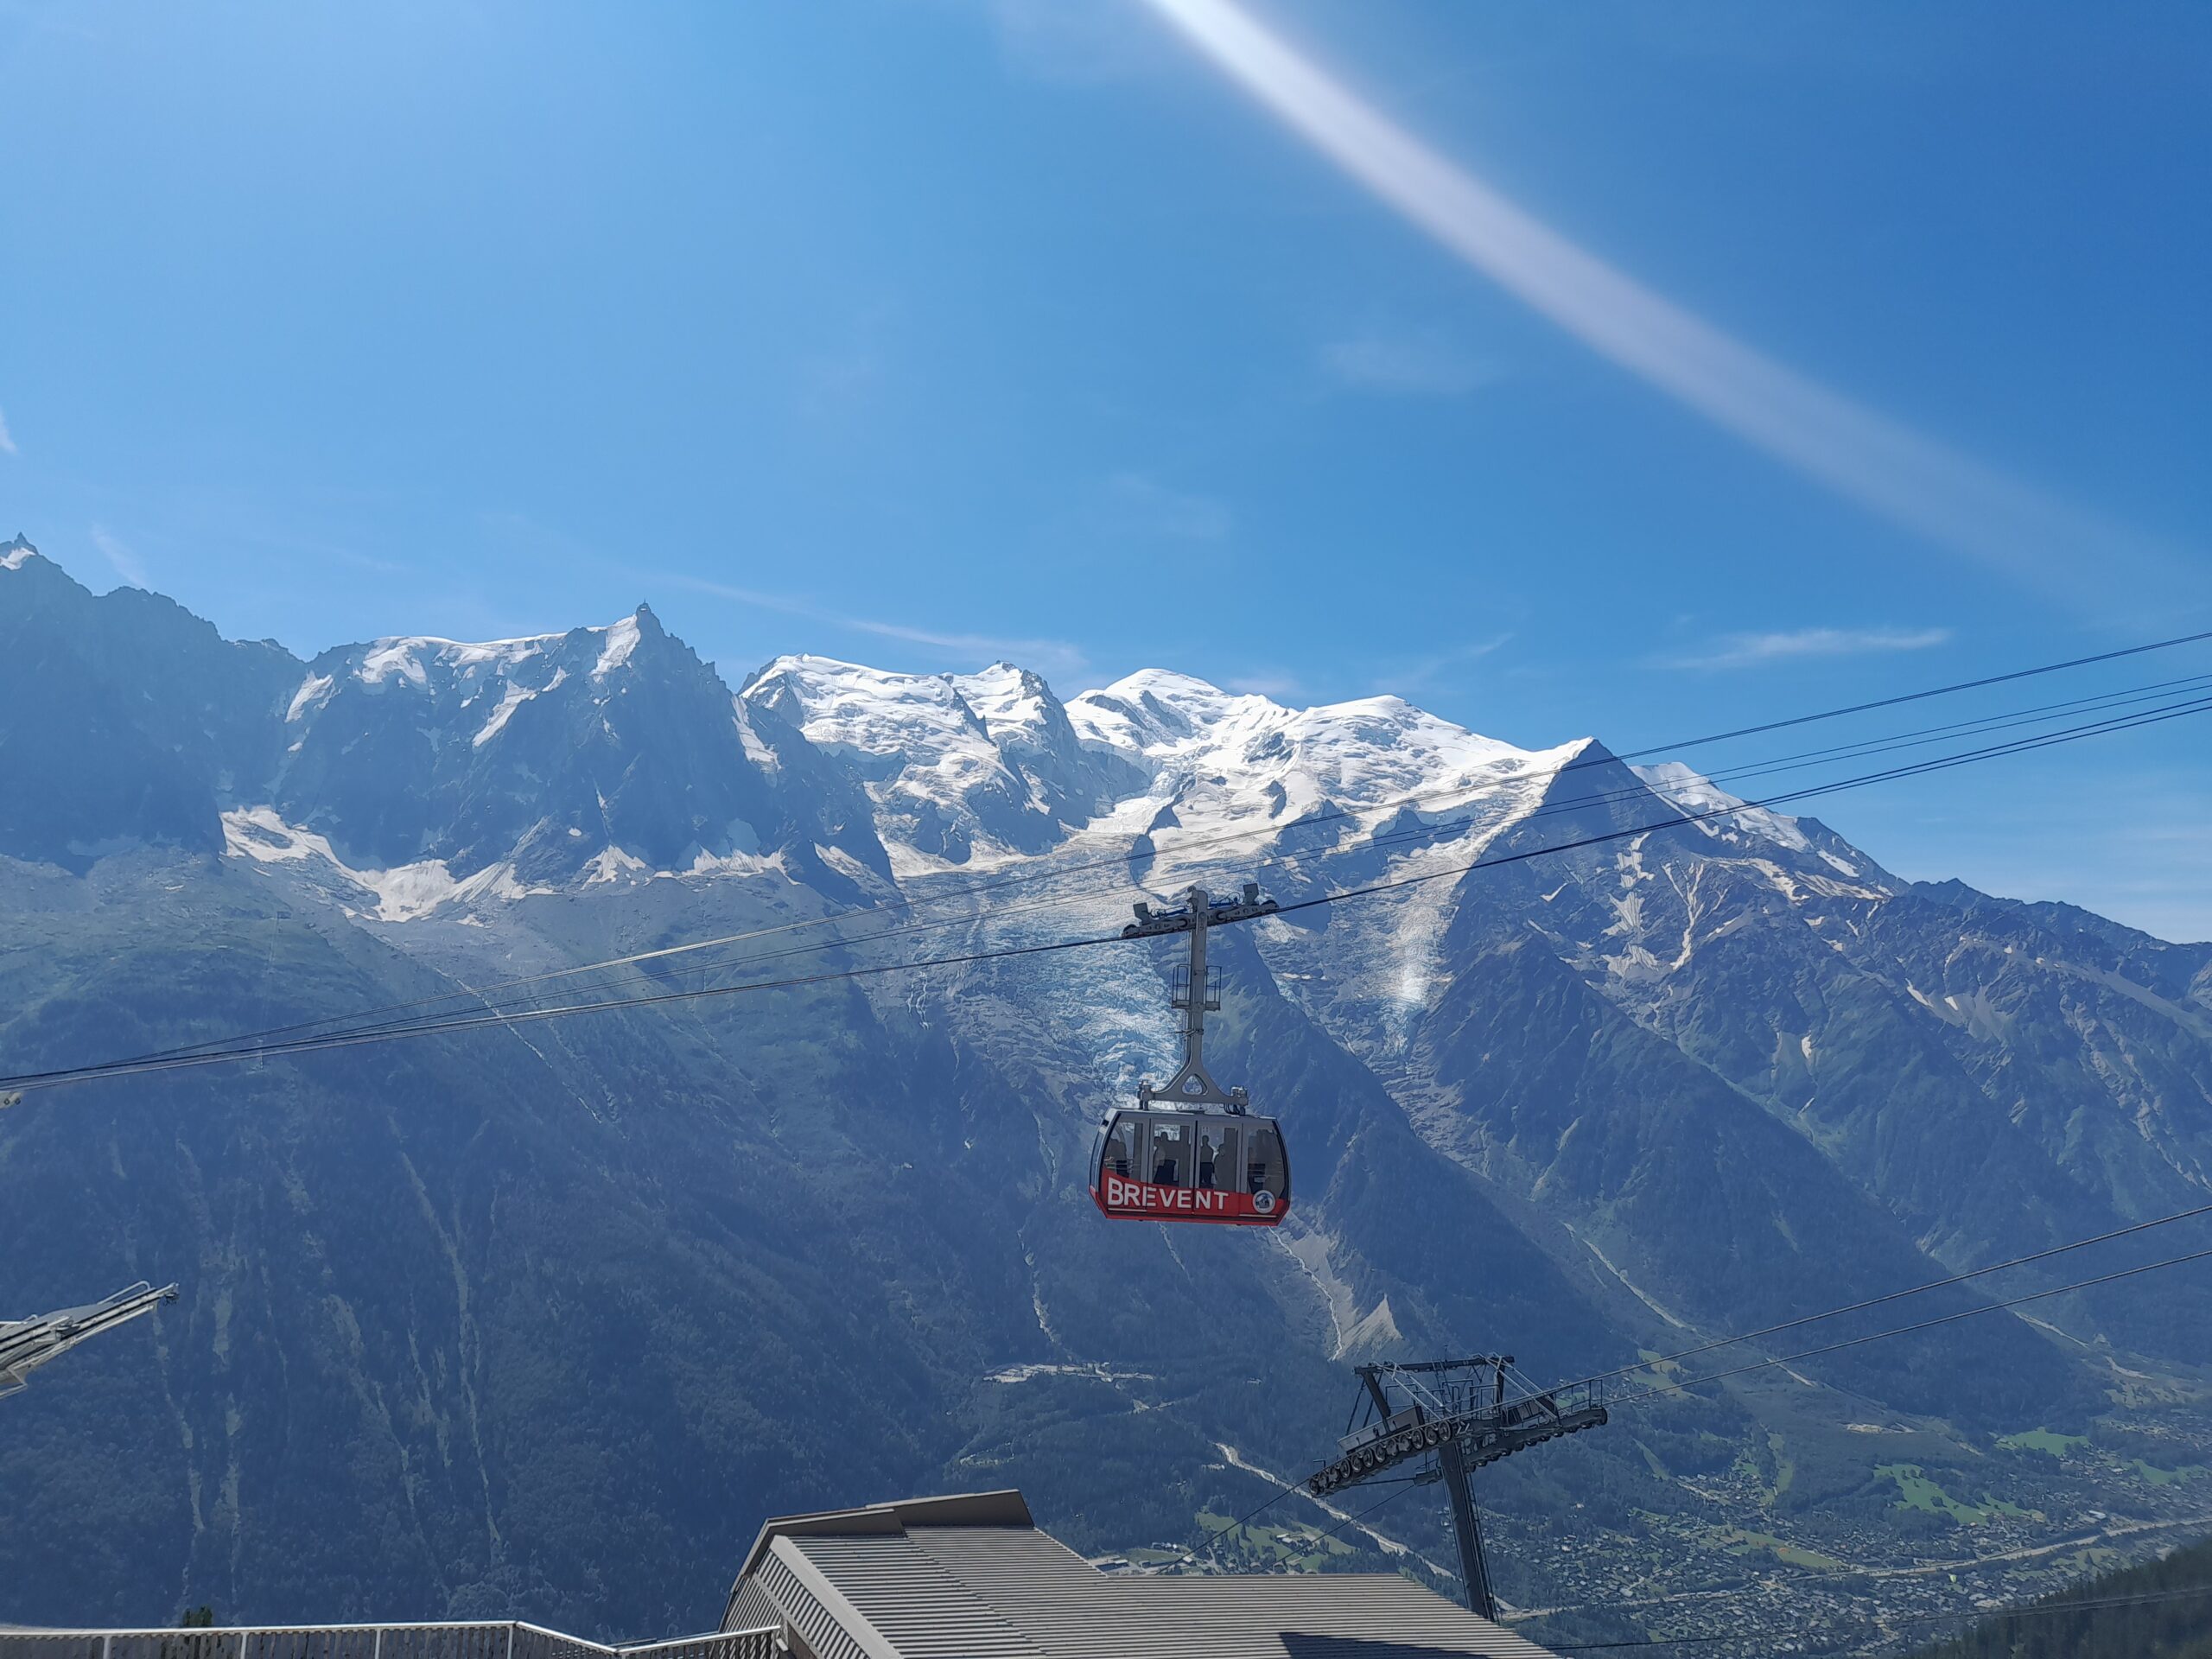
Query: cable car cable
[[1734, 808], [1938, 691], [1658, 1390], [484, 998], [1420, 832], [1241, 1521], [1891, 1296], [348, 1039], [173, 1060], [1353, 1519], [1335, 814], [1940, 765], [1227, 1532]]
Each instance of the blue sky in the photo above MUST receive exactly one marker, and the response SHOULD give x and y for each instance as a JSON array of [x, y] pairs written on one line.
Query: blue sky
[[1608, 368]]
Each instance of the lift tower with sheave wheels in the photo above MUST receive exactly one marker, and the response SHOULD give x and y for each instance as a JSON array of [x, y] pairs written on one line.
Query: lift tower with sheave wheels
[[1462, 1414], [25, 1343]]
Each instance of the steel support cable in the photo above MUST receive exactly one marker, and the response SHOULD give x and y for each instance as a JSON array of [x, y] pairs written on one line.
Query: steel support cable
[[1934, 691], [1421, 832], [1657, 1390], [1231, 1530], [473, 1022], [2191, 704], [1942, 764], [1335, 814], [172, 1061], [2128, 694], [1889, 1296], [485, 1001], [1227, 1532], [1396, 1489], [2178, 692]]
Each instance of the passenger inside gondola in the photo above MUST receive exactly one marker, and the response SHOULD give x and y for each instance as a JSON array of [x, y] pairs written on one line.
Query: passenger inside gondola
[[1224, 1157], [1122, 1148], [1167, 1150], [1263, 1169]]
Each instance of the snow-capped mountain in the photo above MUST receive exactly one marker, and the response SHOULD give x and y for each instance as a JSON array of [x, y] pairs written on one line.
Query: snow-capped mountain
[[1575, 1077], [962, 768], [418, 770], [426, 770], [583, 755], [972, 770]]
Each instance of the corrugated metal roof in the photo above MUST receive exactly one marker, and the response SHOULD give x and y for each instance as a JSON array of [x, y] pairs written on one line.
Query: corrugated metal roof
[[925, 1611], [1005, 1507], [823, 1627], [1078, 1613], [750, 1606], [1000, 1591]]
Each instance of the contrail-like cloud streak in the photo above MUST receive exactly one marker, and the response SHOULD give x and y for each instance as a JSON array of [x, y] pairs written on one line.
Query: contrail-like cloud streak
[[1898, 474]]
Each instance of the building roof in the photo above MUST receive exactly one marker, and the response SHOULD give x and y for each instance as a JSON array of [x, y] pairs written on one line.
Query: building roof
[[973, 1578]]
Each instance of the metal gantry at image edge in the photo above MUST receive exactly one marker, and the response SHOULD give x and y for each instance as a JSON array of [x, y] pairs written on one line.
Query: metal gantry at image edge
[[1465, 1413], [26, 1344]]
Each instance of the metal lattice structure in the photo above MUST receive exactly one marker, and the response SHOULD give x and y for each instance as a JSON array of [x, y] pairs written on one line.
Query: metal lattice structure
[[1453, 1417], [1195, 993], [503, 1639], [27, 1343]]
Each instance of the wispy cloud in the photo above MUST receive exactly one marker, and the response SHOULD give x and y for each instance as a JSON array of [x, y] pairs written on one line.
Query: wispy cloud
[[368, 561], [1279, 687], [6, 438], [1909, 479], [124, 561], [2122, 833], [319, 550], [846, 378], [1415, 675], [1756, 650], [1051, 657], [1419, 367], [1142, 504], [1078, 41], [1056, 658]]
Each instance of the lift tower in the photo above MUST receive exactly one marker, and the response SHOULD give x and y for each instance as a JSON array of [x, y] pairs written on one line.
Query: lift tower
[[1463, 1414], [25, 1343]]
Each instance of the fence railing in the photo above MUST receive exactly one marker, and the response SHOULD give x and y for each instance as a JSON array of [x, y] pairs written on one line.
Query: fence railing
[[503, 1639]]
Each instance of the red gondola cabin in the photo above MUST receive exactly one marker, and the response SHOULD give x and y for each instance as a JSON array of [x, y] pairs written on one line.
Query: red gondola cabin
[[1159, 1164]]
